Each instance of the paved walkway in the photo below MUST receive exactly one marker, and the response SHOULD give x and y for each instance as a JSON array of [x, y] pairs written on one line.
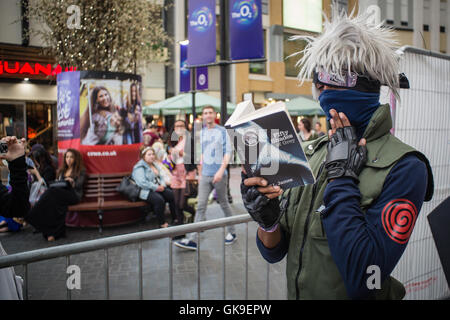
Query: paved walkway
[[47, 279]]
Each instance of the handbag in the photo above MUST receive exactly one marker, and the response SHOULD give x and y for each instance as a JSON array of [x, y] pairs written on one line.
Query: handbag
[[129, 188], [36, 191], [191, 190]]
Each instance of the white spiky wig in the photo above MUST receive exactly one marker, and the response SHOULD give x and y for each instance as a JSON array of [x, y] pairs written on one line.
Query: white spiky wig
[[351, 44]]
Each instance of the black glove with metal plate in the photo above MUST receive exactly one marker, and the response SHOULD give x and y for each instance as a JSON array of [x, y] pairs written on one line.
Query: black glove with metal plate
[[266, 212], [345, 157]]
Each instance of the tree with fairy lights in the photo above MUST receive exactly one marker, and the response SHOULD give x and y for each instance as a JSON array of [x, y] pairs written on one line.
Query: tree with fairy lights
[[107, 35]]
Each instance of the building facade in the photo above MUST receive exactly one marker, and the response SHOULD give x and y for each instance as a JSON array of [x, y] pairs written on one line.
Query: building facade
[[28, 98], [422, 23]]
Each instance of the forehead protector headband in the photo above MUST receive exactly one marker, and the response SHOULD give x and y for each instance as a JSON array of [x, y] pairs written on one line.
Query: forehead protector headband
[[354, 81]]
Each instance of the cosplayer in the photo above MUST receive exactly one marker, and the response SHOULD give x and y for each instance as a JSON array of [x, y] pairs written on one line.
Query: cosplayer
[[362, 209]]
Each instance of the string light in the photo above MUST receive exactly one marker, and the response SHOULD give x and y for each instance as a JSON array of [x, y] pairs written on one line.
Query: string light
[[118, 33]]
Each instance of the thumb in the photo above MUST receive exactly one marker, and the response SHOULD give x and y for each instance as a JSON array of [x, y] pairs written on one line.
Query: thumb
[[362, 142]]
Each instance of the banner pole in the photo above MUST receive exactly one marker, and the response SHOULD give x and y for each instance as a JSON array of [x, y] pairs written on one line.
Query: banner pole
[[223, 57], [194, 112]]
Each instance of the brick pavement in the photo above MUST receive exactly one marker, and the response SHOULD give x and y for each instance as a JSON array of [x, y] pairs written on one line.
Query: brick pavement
[[47, 279]]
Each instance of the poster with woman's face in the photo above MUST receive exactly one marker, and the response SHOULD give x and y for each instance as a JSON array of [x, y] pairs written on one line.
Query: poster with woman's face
[[110, 112], [102, 120], [133, 124]]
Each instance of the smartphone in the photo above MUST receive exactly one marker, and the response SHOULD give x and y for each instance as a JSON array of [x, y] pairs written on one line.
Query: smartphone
[[3, 147]]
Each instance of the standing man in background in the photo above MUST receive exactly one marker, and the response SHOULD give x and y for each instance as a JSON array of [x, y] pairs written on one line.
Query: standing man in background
[[216, 154], [318, 127]]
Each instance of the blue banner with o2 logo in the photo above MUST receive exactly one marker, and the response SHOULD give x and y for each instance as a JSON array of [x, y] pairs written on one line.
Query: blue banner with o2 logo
[[201, 32], [246, 32]]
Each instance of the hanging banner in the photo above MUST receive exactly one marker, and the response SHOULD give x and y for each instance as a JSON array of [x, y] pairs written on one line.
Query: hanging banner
[[202, 78], [185, 73], [68, 92], [108, 128], [246, 32], [202, 32]]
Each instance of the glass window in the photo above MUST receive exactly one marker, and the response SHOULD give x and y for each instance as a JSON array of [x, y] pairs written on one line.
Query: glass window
[[11, 120], [343, 5], [265, 6], [303, 15], [39, 124], [404, 13], [260, 67], [291, 47]]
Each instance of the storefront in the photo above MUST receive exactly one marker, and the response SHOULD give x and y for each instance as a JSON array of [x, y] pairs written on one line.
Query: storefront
[[28, 95]]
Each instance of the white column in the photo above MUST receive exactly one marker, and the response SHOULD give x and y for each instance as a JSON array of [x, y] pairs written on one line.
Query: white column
[[418, 24], [435, 32], [179, 36]]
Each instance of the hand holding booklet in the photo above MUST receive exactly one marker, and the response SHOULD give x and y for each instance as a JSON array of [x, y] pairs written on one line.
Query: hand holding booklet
[[268, 145]]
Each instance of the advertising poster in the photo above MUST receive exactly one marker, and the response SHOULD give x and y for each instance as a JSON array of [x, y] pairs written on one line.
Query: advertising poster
[[246, 31], [202, 32], [67, 107], [108, 129], [185, 73], [202, 78]]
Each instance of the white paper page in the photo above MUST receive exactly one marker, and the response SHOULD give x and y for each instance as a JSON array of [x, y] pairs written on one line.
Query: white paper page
[[244, 107], [271, 108]]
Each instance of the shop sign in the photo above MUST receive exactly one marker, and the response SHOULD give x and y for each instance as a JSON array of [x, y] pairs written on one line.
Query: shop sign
[[29, 68]]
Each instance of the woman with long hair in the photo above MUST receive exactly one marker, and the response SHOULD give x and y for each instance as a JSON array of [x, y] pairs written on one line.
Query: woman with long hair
[[133, 123], [102, 108], [178, 183], [305, 133], [147, 174], [44, 164], [49, 213]]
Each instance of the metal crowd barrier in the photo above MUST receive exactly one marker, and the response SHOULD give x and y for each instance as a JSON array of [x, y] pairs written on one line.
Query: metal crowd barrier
[[68, 250], [421, 119]]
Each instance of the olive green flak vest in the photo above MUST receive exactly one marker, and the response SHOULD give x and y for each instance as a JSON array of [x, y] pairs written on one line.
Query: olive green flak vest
[[311, 271]]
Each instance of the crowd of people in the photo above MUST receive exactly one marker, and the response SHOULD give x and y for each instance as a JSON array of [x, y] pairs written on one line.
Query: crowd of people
[[164, 173], [52, 190]]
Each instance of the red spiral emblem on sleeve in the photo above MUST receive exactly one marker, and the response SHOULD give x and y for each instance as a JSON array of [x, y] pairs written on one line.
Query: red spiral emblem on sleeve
[[399, 217]]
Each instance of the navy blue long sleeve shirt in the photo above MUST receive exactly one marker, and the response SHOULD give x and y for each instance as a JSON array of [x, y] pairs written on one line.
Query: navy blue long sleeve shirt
[[378, 237]]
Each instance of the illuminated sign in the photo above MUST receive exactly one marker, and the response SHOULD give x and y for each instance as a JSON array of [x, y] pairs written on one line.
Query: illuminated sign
[[29, 68]]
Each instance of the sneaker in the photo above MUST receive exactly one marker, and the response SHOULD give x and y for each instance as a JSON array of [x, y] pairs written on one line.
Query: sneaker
[[186, 244], [230, 238]]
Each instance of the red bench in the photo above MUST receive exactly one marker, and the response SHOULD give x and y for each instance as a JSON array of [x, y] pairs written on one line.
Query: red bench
[[100, 195]]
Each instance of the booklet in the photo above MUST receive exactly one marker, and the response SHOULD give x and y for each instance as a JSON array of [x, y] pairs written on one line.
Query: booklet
[[268, 145]]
